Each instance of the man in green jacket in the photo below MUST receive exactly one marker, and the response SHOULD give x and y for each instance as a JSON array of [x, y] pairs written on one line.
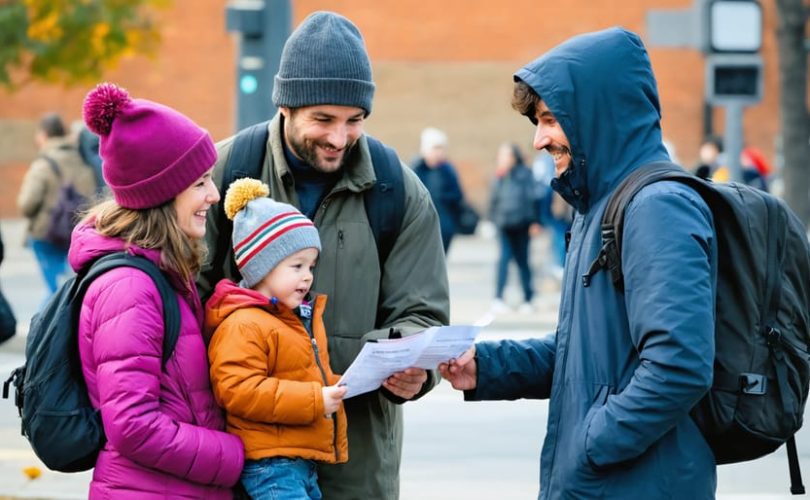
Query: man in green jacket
[[318, 160]]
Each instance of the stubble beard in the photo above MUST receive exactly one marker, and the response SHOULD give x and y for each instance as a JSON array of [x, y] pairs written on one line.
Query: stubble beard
[[560, 153], [307, 150]]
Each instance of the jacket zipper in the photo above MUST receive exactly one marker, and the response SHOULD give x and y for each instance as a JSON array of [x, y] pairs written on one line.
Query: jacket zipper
[[317, 357], [325, 383], [571, 286]]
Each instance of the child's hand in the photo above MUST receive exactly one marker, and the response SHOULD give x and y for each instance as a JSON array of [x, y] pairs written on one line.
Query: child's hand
[[332, 396]]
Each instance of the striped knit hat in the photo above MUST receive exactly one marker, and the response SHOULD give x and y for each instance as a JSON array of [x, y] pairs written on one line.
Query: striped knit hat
[[265, 231]]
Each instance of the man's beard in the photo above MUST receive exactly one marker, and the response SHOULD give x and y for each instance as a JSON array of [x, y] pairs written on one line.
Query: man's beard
[[558, 149], [307, 150]]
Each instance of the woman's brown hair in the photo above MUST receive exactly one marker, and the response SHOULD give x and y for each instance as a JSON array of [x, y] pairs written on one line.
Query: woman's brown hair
[[152, 228]]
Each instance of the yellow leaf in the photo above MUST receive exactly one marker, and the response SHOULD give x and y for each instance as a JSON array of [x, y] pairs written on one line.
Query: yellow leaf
[[32, 472], [45, 29], [100, 32]]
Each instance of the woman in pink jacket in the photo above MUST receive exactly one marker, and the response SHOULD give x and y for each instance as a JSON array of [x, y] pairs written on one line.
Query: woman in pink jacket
[[164, 430]]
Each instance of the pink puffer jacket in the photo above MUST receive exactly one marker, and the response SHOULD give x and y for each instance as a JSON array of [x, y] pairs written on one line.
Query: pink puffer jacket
[[164, 429]]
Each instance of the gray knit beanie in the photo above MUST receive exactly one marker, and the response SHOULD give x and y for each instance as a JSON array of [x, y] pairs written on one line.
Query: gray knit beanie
[[324, 62], [265, 231]]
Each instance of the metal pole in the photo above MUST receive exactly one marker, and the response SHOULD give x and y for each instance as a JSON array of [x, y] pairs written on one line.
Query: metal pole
[[734, 139], [279, 26], [263, 26], [708, 118]]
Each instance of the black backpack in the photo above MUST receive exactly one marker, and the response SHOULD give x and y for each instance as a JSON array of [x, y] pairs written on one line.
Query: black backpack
[[58, 420], [384, 203], [762, 332], [65, 213]]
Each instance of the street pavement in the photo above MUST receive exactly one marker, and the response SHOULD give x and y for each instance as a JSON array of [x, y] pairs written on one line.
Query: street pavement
[[453, 449]]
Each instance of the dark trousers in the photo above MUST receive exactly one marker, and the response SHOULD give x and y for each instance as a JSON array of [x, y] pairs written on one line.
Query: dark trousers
[[514, 245]]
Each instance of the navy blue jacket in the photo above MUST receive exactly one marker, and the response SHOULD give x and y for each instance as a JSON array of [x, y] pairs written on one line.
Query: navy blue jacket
[[445, 191], [513, 203], [623, 370]]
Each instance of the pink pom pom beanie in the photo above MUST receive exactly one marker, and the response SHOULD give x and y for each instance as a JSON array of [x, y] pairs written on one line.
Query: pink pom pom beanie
[[150, 152]]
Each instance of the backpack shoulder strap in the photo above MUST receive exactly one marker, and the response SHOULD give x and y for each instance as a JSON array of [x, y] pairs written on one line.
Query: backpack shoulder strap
[[247, 154], [54, 167], [246, 159], [612, 228], [171, 309], [385, 201]]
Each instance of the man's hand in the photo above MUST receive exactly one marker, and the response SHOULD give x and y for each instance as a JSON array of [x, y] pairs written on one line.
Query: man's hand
[[461, 372], [406, 384]]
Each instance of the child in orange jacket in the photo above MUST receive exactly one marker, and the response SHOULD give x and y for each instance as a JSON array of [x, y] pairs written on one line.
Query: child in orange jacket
[[269, 363]]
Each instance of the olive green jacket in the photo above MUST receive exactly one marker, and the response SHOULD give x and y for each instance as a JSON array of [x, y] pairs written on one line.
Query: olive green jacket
[[412, 293]]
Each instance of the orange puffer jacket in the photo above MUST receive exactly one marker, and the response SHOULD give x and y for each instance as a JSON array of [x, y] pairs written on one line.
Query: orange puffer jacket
[[267, 372]]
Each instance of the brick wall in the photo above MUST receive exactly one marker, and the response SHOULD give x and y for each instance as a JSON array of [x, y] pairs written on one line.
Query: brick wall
[[446, 64]]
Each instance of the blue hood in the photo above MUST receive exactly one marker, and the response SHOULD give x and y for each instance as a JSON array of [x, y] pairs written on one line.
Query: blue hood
[[601, 88]]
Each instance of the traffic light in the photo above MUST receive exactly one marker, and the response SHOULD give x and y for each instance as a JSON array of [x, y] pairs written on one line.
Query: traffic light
[[264, 26], [733, 63], [734, 77]]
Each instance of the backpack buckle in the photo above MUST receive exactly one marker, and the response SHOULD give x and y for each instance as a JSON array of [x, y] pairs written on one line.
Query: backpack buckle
[[773, 336], [753, 383], [16, 378]]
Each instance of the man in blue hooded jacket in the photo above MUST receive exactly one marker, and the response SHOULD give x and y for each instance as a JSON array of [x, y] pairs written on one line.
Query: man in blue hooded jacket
[[623, 370]]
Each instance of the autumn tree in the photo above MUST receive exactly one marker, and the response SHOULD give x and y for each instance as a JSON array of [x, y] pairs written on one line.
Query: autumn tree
[[72, 41]]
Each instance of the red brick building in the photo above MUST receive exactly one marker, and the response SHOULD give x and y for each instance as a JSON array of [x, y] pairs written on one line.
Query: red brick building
[[446, 64]]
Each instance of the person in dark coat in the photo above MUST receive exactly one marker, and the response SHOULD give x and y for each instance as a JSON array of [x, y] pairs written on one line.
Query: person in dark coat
[[513, 208], [8, 322], [623, 370], [440, 178], [710, 152], [88, 144]]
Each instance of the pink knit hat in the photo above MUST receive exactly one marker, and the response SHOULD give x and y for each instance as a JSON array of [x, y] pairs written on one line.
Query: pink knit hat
[[151, 152]]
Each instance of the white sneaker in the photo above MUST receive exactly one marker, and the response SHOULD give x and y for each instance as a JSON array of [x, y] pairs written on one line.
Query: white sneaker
[[526, 308], [498, 307]]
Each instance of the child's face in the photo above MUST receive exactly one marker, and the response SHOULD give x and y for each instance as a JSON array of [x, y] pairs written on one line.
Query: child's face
[[291, 279]]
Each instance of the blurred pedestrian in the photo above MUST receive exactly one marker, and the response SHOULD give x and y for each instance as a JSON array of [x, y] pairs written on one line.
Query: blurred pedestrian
[[625, 367], [514, 209], [58, 165], [710, 157], [318, 159], [756, 169], [87, 143], [8, 322], [440, 178], [165, 433]]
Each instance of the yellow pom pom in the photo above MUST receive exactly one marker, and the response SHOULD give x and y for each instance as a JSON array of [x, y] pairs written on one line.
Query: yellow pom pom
[[240, 192], [32, 472]]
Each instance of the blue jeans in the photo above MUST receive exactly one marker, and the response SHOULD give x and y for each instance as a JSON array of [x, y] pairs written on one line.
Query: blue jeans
[[514, 245], [280, 478], [52, 262]]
